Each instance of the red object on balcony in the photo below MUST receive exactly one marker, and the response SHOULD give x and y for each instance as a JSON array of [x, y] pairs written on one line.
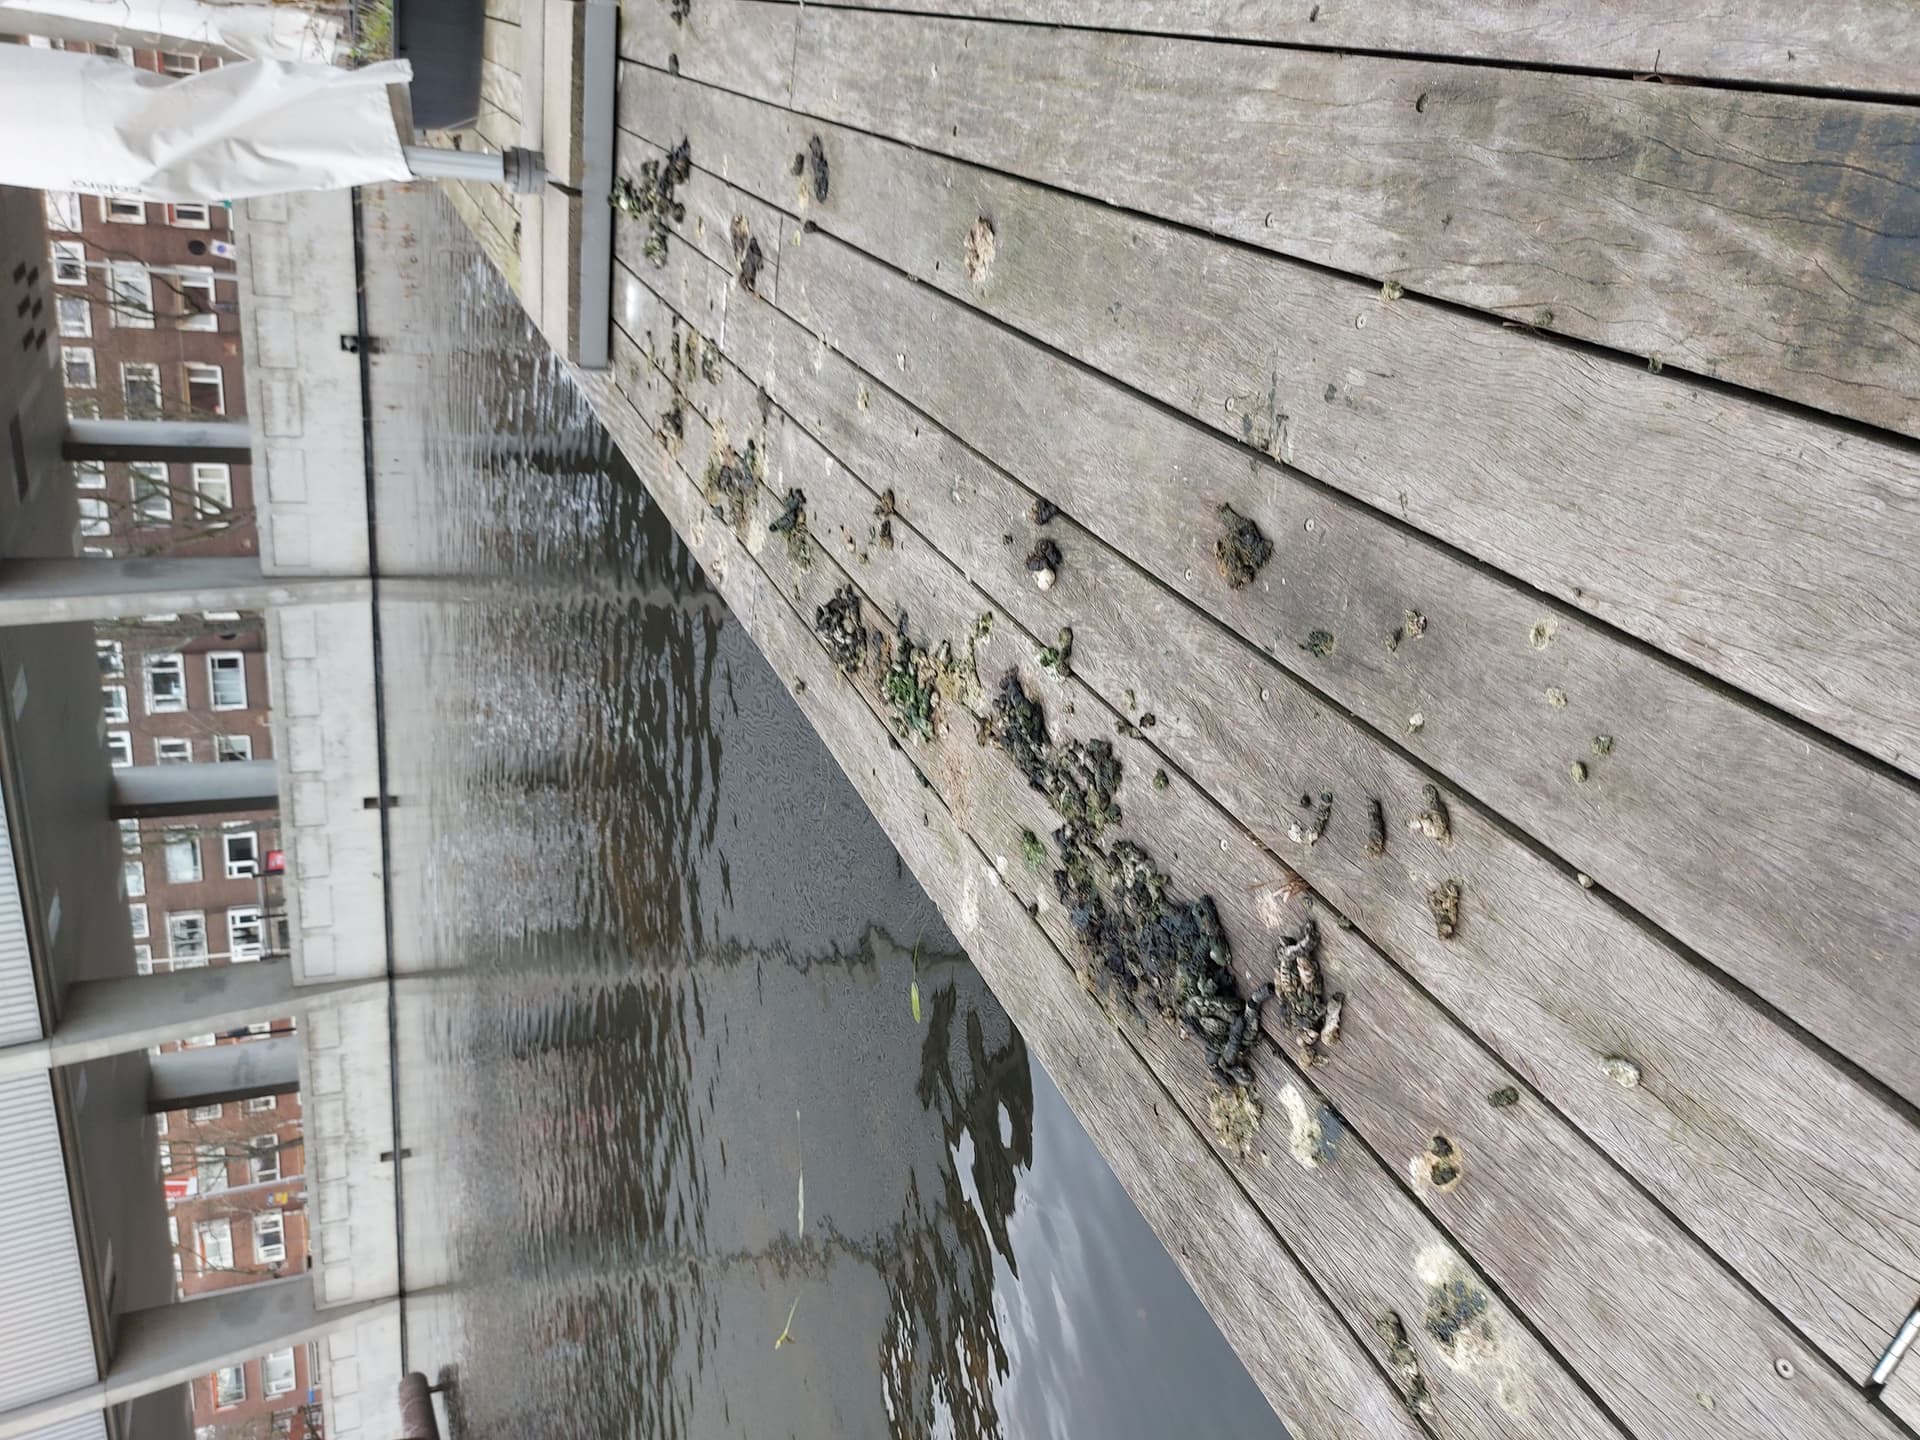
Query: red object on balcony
[[276, 862]]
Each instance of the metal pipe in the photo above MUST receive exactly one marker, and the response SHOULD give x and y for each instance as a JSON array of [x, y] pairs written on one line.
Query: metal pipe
[[523, 171], [1902, 1342]]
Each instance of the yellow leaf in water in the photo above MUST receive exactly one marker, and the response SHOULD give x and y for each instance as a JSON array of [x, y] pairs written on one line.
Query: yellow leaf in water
[[915, 994], [786, 1334]]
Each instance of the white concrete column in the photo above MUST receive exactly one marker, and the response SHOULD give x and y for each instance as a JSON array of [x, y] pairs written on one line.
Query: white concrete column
[[153, 792], [228, 442], [170, 1344], [99, 1018], [56, 591], [217, 1074]]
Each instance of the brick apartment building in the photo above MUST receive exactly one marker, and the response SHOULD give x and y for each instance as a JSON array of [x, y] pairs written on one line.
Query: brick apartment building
[[144, 299], [235, 1178], [149, 329]]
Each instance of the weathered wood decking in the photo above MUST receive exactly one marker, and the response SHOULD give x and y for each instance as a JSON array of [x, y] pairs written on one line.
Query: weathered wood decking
[[1579, 412]]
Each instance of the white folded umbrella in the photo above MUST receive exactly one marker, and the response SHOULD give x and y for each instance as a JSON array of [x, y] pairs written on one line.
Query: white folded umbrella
[[255, 127], [233, 31]]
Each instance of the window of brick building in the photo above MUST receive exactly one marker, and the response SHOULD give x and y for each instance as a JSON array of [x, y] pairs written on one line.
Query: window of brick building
[[264, 1163], [227, 679], [196, 301], [63, 210], [276, 1369], [75, 313], [77, 365], [229, 1381], [166, 684], [69, 262], [172, 750], [187, 937], [242, 854], [140, 386], [245, 934], [152, 491], [206, 389], [233, 747], [96, 516], [130, 294], [213, 485]]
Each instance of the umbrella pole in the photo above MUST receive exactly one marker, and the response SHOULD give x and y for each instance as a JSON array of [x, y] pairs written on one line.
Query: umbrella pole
[[522, 171]]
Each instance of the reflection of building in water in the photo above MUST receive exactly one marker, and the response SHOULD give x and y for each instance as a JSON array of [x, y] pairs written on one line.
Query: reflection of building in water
[[653, 1266]]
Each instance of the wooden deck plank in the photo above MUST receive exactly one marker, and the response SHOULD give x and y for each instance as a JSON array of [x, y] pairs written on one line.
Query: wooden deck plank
[[1360, 1232], [1316, 1374], [1759, 239], [500, 88], [1902, 1395], [743, 47], [1528, 1163], [708, 223], [1858, 45], [1219, 331], [1734, 889], [1811, 1225]]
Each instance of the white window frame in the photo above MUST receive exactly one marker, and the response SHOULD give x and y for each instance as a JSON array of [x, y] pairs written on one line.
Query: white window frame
[[96, 515], [185, 864], [210, 1163], [199, 1042], [165, 1149], [192, 317], [174, 664], [232, 747], [129, 836], [263, 1165], [278, 1375], [262, 1104], [134, 873], [119, 749], [111, 656], [176, 63], [69, 262], [214, 483], [172, 750], [246, 865], [152, 492], [143, 959], [113, 704], [146, 372], [137, 919], [227, 662], [89, 475], [121, 209], [199, 370], [64, 212], [229, 1385], [75, 316], [179, 952], [213, 1242], [241, 919], [78, 367], [129, 295], [205, 1115]]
